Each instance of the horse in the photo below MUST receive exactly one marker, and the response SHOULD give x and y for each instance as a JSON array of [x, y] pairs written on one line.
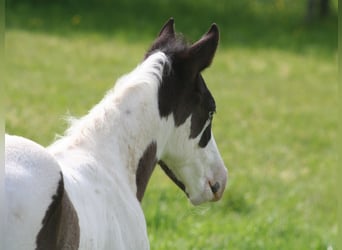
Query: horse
[[84, 191]]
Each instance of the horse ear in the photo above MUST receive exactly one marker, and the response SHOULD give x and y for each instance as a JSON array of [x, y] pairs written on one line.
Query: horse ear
[[166, 34], [168, 29], [202, 52]]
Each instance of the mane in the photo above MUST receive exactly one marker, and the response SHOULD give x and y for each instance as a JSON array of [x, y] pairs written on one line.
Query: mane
[[150, 71], [147, 75], [175, 45]]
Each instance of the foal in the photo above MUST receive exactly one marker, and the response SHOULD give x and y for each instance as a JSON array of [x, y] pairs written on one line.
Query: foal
[[84, 191]]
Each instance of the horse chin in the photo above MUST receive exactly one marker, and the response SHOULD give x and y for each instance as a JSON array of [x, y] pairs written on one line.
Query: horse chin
[[200, 199]]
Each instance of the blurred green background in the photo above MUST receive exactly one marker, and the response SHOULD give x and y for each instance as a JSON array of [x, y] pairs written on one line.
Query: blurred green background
[[264, 23], [274, 79]]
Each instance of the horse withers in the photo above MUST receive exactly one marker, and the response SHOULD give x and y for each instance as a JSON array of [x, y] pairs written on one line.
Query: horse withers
[[84, 190]]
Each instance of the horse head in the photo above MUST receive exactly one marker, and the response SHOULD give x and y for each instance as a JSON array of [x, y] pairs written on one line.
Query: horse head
[[190, 157]]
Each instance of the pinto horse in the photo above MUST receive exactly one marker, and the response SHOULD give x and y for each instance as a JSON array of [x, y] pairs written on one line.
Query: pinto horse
[[84, 190]]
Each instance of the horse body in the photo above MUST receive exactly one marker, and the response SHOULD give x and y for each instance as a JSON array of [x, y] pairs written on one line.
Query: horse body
[[91, 181]]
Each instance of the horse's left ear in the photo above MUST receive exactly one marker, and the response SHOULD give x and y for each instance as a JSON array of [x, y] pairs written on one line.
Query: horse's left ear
[[202, 52], [166, 34], [168, 30]]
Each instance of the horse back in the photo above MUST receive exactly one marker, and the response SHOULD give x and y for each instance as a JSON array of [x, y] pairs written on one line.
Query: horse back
[[38, 211]]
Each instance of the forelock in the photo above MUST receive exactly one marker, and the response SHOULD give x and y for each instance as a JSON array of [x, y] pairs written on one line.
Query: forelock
[[173, 47]]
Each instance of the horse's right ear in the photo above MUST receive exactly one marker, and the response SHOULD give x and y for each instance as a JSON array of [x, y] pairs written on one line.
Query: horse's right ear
[[202, 52]]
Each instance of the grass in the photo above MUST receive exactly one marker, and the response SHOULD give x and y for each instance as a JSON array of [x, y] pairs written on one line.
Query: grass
[[275, 84]]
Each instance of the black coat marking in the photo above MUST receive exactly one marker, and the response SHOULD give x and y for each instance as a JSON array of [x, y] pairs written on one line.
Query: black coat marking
[[60, 228], [145, 168]]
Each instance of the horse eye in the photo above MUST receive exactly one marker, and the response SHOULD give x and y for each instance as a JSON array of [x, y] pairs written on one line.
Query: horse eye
[[211, 115]]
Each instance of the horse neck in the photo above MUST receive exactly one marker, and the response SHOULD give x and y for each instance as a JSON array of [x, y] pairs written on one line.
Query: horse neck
[[124, 132]]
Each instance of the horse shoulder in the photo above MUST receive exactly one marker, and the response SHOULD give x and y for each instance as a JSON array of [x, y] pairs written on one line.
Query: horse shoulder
[[110, 216]]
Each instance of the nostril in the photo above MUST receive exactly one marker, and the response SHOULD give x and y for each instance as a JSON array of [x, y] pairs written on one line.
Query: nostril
[[214, 188]]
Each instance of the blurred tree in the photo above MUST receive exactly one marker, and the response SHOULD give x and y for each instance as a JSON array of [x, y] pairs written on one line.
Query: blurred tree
[[317, 8]]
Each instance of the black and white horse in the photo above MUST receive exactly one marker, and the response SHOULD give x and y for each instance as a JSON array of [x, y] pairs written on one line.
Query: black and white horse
[[84, 191]]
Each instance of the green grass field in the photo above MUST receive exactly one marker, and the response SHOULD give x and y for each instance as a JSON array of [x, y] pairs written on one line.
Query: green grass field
[[275, 83]]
